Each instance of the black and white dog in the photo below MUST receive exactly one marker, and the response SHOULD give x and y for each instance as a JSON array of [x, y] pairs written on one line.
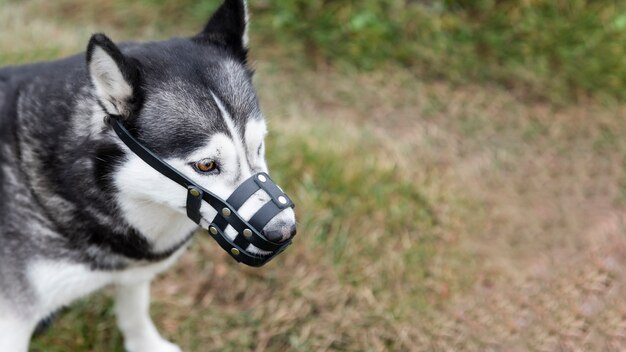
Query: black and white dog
[[79, 210]]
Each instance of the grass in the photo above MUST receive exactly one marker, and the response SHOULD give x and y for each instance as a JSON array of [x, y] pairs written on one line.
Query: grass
[[549, 50], [555, 51], [433, 216]]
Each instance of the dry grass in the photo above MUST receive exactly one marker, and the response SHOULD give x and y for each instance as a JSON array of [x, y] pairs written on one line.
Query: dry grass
[[432, 218]]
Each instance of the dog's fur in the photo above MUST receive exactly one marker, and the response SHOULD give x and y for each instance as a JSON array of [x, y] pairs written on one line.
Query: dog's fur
[[78, 210]]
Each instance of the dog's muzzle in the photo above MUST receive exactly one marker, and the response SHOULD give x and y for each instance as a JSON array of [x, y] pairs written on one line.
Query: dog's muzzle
[[248, 232]]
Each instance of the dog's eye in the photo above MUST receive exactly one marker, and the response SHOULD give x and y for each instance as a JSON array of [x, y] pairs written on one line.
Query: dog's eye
[[206, 165]]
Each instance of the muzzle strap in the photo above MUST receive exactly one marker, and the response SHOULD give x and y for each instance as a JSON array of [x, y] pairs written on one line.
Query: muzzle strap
[[194, 203], [264, 215], [261, 218], [248, 188]]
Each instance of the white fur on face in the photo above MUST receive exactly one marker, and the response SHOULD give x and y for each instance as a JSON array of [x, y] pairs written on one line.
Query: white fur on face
[[238, 143], [256, 130], [224, 150], [155, 205], [111, 87]]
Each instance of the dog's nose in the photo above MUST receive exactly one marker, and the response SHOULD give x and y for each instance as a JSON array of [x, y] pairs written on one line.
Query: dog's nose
[[280, 233]]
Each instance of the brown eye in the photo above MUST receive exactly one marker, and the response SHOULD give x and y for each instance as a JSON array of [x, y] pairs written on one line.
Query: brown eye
[[206, 165]]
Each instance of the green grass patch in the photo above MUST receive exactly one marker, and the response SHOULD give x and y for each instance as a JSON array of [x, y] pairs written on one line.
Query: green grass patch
[[559, 50], [555, 50], [348, 198], [87, 326]]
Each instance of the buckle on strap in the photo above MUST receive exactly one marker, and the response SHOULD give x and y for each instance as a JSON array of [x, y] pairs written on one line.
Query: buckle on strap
[[194, 203]]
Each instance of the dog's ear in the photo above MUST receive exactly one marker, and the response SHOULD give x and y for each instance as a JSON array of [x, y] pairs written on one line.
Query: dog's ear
[[228, 28], [115, 76]]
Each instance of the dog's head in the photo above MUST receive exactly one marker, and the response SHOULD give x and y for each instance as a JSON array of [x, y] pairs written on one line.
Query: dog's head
[[192, 102]]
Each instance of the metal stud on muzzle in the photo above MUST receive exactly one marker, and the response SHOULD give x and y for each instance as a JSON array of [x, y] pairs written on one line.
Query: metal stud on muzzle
[[248, 232]]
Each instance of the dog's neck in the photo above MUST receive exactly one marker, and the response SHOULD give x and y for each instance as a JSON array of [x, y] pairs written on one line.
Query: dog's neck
[[159, 224], [93, 212], [164, 227]]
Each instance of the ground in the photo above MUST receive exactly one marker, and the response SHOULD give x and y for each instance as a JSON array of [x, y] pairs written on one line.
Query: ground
[[432, 216]]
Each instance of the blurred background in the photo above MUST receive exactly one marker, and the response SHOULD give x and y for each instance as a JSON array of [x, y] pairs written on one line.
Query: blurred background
[[459, 169]]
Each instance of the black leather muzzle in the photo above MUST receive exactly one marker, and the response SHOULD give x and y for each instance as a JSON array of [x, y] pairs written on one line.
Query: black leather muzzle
[[248, 232]]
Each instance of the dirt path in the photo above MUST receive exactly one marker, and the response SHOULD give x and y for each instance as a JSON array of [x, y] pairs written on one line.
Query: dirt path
[[548, 229]]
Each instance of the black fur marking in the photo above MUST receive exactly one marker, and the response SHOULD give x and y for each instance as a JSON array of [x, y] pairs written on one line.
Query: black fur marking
[[44, 324], [226, 29], [107, 158]]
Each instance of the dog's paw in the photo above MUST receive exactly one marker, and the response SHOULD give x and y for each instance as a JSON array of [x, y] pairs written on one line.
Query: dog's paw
[[151, 345]]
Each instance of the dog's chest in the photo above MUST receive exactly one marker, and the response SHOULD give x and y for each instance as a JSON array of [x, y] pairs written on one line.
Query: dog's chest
[[59, 283]]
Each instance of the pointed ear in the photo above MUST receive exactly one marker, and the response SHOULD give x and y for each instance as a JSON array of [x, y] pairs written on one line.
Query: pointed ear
[[228, 28], [115, 76]]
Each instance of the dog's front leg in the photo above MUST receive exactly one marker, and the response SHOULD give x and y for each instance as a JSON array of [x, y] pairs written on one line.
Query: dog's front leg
[[133, 318], [14, 333]]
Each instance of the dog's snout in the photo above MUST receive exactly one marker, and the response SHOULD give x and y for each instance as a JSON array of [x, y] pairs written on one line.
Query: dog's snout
[[280, 233]]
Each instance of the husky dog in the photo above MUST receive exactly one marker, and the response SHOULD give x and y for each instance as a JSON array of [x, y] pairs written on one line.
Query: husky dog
[[79, 210]]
